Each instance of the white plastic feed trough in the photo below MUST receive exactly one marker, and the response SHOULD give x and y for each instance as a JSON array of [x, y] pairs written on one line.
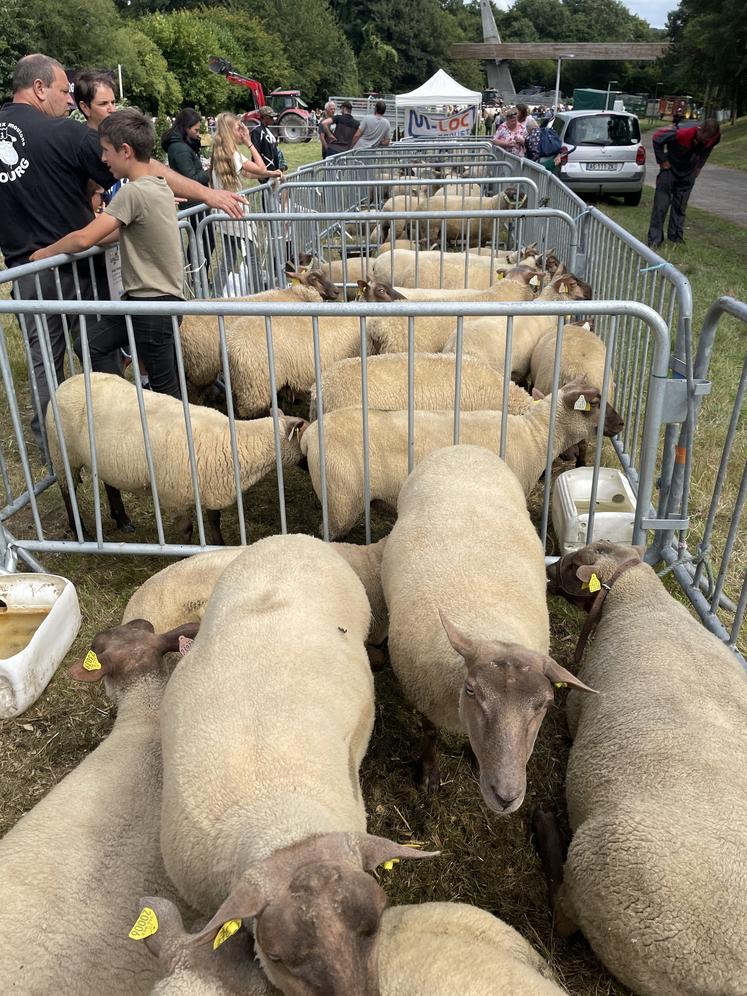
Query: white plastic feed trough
[[614, 511], [39, 619]]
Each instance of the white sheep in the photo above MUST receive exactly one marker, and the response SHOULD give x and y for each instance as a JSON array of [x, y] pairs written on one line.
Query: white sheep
[[264, 726], [180, 592], [293, 352], [73, 866], [472, 231], [526, 445], [434, 380], [200, 334], [656, 787], [582, 355], [485, 338], [432, 949], [120, 449], [409, 201], [197, 970], [432, 268], [518, 283], [452, 949], [464, 545]]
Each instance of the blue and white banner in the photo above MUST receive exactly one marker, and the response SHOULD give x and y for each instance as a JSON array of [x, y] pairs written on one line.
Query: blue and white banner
[[425, 125]]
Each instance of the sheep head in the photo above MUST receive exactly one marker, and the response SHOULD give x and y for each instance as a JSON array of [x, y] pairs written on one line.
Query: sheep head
[[566, 285], [317, 913], [572, 575], [123, 654], [506, 692], [376, 290], [319, 282], [581, 402]]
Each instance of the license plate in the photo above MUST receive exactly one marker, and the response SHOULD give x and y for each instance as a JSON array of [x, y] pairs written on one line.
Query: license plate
[[607, 167]]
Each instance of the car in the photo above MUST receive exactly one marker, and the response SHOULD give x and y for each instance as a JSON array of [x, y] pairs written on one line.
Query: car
[[602, 153]]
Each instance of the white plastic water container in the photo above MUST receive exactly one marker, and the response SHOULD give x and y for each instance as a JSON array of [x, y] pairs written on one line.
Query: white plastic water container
[[614, 512], [39, 619]]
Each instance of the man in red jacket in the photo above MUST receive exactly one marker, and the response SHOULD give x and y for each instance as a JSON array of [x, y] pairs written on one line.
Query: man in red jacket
[[681, 154]]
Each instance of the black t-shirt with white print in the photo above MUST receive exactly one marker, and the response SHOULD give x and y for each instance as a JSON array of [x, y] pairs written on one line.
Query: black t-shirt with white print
[[45, 165]]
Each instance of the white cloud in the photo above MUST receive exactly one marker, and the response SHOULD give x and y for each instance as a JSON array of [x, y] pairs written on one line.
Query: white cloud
[[653, 11]]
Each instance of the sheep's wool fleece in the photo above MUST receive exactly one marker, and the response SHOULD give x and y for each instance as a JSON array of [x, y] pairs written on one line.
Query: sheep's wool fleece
[[656, 873], [451, 949], [463, 542], [73, 868], [179, 593], [266, 720]]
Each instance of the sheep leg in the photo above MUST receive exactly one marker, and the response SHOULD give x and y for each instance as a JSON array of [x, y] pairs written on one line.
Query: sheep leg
[[549, 846], [429, 776], [582, 454], [87, 538], [117, 509], [216, 536]]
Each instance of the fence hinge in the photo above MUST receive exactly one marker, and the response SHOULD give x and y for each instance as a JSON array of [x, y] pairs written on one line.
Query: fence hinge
[[673, 524], [675, 398]]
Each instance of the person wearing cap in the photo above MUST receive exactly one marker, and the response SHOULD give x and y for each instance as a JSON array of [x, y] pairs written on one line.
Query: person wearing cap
[[511, 135], [266, 143]]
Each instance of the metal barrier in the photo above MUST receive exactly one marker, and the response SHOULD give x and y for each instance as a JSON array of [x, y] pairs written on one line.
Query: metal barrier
[[34, 479], [703, 584]]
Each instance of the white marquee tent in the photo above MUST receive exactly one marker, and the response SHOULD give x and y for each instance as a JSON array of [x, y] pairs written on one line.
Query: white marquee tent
[[440, 90]]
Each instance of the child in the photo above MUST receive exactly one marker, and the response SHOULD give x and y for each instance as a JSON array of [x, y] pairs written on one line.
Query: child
[[142, 215]]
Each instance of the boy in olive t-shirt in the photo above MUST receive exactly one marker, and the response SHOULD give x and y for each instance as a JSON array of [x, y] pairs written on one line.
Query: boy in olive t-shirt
[[142, 214]]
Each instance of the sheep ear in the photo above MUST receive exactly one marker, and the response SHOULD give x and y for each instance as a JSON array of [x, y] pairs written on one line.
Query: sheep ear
[[559, 676], [169, 642], [537, 394], [247, 900], [459, 641], [363, 284], [585, 572], [89, 668], [374, 851]]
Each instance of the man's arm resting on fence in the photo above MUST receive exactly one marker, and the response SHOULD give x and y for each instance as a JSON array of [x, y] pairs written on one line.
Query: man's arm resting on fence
[[101, 230], [182, 186]]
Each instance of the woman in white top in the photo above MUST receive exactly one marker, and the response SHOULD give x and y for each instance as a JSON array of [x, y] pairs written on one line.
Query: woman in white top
[[231, 170]]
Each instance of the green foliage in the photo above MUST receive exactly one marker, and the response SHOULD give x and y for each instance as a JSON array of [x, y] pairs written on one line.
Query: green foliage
[[263, 56], [147, 79]]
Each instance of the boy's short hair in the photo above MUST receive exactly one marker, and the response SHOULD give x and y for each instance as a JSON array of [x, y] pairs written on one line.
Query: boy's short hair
[[129, 126], [86, 85], [380, 107], [346, 104]]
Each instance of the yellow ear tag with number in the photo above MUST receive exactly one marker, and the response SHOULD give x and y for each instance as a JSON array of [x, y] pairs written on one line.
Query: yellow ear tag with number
[[564, 288], [594, 583], [145, 925], [561, 684], [388, 865], [91, 662], [228, 929]]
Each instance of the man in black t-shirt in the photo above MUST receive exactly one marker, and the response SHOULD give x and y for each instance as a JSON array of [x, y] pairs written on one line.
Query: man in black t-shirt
[[345, 127], [46, 162], [265, 142]]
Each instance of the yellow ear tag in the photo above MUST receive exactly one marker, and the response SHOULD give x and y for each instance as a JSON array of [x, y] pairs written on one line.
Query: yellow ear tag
[[388, 865], [91, 662], [594, 583], [145, 925], [228, 929], [534, 282], [564, 288], [561, 684]]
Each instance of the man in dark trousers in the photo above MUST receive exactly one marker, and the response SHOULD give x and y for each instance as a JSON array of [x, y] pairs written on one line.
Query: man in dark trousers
[[681, 154]]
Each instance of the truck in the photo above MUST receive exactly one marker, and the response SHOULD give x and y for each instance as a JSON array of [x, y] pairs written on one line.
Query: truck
[[294, 121]]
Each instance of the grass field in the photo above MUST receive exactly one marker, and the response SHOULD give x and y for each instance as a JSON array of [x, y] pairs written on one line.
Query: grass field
[[731, 151], [487, 861]]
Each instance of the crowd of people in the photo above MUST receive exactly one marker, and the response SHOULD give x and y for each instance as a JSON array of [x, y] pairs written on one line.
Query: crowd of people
[[525, 131]]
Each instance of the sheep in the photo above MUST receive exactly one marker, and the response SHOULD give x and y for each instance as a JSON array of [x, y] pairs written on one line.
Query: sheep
[[656, 787], [73, 865], [485, 338], [432, 949], [179, 593], [426, 268], [397, 204], [526, 445], [293, 353], [582, 355], [471, 230], [349, 270], [464, 546], [200, 334], [481, 386], [390, 334], [120, 450], [444, 949], [263, 815], [192, 970]]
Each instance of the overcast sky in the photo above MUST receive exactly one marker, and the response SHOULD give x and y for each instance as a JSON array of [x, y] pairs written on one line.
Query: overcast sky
[[653, 11]]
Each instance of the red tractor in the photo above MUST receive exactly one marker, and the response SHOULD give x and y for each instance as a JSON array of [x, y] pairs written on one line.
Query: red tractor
[[293, 123]]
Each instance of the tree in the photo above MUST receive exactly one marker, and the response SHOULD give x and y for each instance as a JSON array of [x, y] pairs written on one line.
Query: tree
[[148, 82], [263, 54]]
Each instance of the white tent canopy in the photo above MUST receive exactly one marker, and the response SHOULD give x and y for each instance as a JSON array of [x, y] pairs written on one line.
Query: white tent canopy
[[439, 91]]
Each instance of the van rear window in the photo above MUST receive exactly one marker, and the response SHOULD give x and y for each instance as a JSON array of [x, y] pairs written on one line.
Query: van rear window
[[603, 129]]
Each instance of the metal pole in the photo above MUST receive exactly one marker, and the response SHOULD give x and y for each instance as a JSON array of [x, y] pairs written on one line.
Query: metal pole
[[607, 98], [557, 87], [119, 77]]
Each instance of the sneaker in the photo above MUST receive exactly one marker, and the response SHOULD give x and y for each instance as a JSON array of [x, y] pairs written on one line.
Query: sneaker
[[655, 245]]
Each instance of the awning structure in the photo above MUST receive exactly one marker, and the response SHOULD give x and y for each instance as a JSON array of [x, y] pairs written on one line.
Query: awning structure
[[439, 91]]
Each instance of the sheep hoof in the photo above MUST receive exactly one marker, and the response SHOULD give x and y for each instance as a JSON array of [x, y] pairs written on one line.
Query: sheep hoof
[[429, 777], [125, 525]]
